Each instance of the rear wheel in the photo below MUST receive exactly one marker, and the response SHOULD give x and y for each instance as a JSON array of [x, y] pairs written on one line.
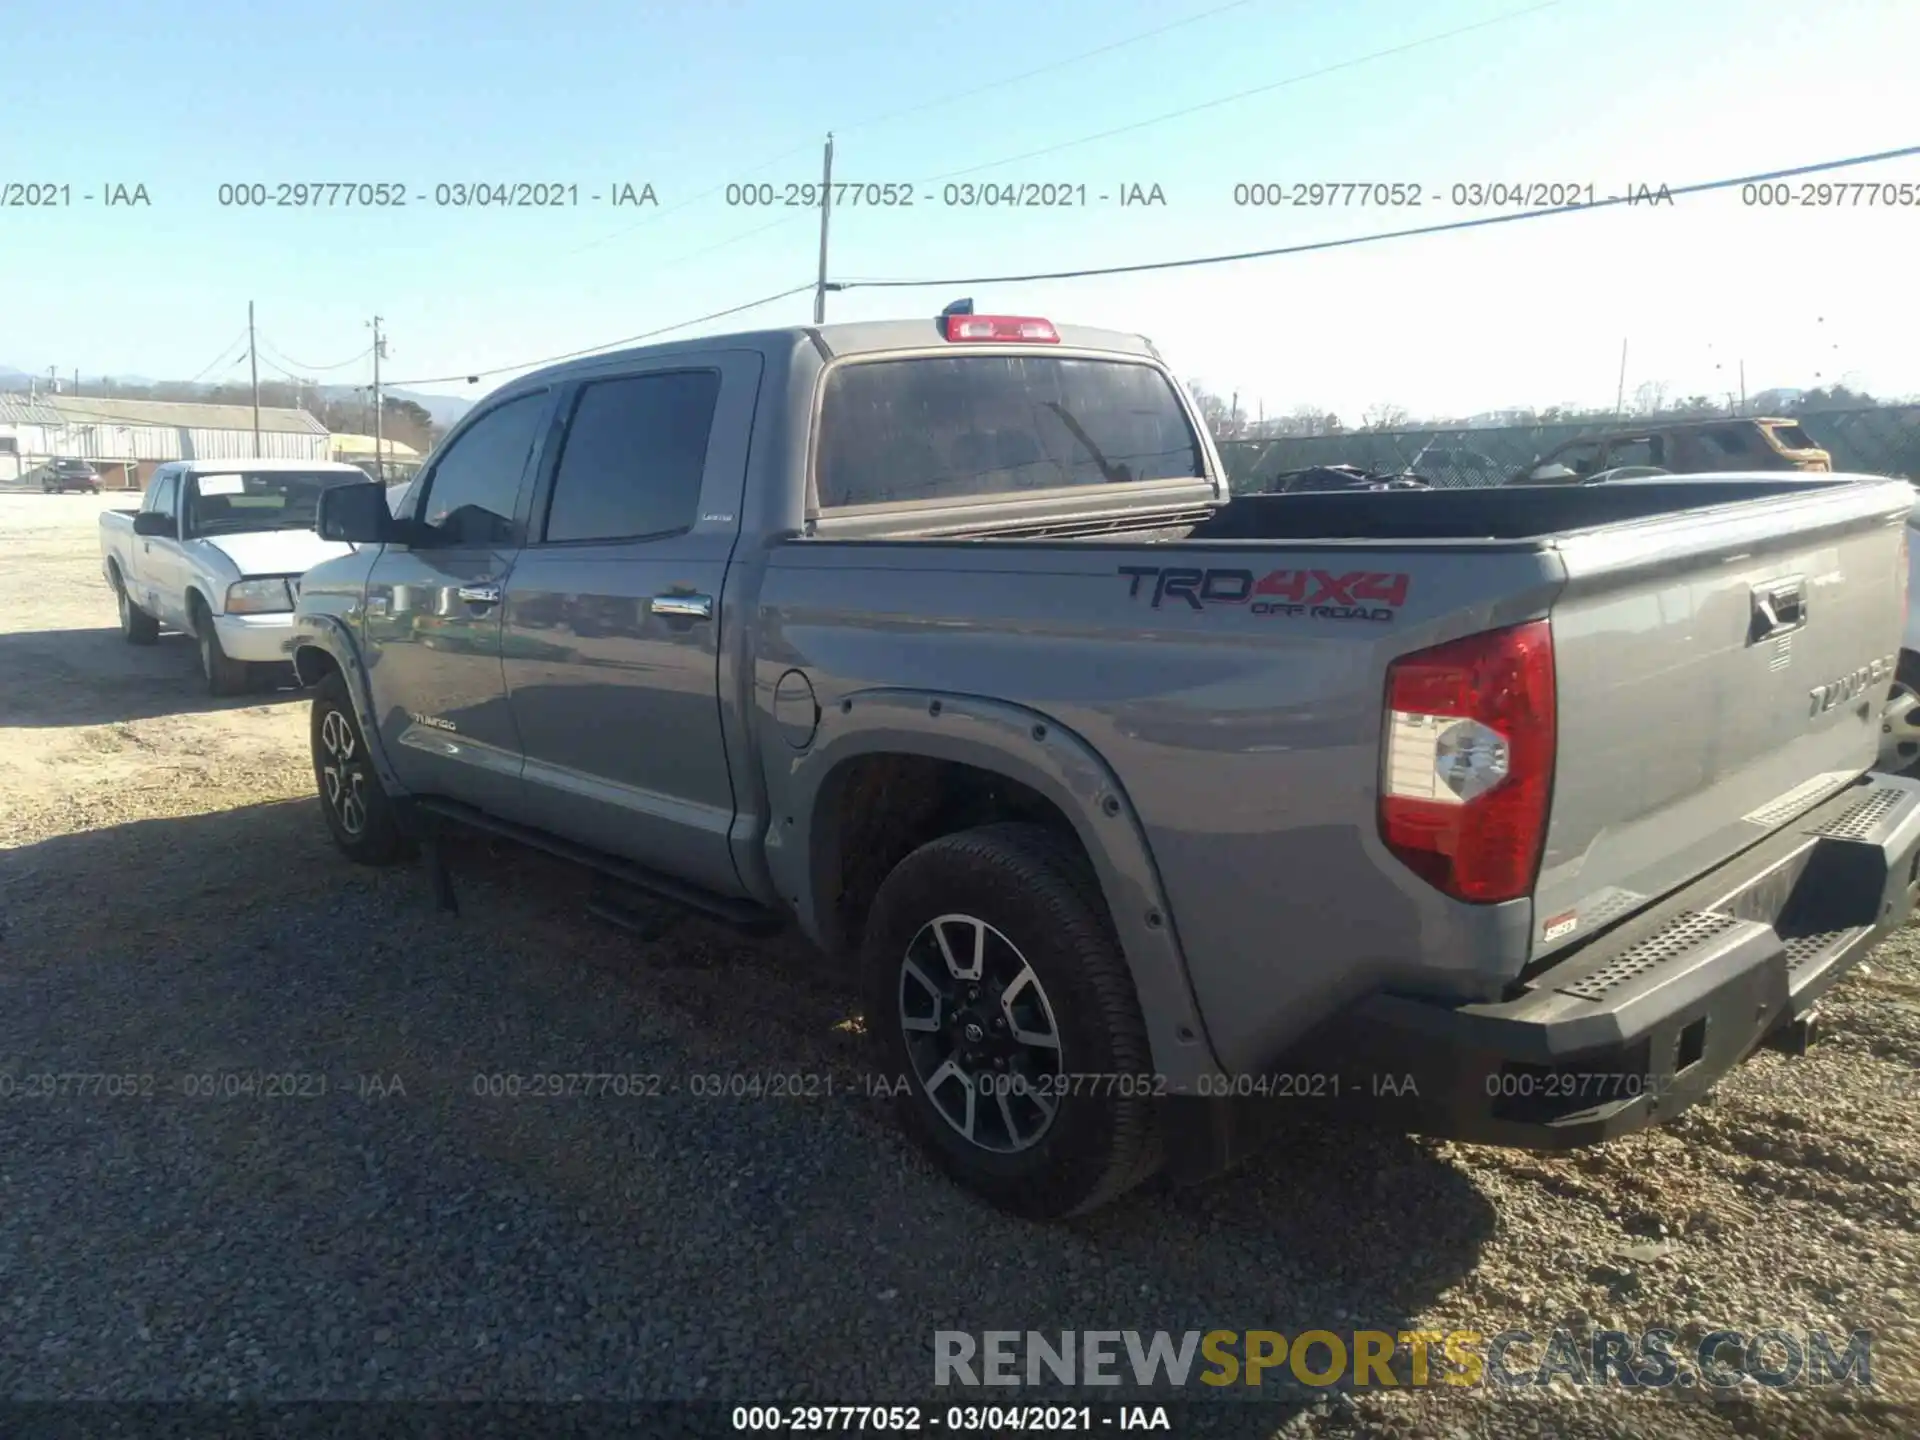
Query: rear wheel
[[224, 675], [996, 990], [360, 817], [1901, 753], [136, 626]]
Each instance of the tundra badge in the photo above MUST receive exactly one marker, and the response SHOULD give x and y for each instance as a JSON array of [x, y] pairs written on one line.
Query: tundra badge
[[1847, 687]]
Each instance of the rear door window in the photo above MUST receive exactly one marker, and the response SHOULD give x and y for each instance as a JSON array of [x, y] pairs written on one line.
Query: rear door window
[[1730, 442], [963, 426], [633, 458]]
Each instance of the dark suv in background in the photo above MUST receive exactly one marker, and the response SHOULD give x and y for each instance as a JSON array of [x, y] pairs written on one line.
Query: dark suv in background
[[64, 475]]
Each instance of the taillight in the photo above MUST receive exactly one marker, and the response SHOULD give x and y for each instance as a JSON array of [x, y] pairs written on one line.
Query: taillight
[[1468, 769], [1001, 327]]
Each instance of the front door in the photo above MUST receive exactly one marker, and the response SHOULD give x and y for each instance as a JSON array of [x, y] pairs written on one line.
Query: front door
[[613, 628], [433, 612]]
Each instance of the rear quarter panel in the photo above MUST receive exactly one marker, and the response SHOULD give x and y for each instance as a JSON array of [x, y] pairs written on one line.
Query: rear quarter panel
[[1246, 742]]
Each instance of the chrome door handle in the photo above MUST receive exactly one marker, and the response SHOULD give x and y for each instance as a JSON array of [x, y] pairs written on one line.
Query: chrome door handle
[[684, 607], [485, 593]]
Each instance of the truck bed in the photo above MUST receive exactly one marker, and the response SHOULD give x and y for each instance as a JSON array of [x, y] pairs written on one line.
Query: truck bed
[[1231, 673]]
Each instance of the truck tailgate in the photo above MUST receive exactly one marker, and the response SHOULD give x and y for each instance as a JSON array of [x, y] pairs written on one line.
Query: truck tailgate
[[1719, 672]]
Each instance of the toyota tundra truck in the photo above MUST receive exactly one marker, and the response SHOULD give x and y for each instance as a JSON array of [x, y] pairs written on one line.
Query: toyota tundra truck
[[1518, 815]]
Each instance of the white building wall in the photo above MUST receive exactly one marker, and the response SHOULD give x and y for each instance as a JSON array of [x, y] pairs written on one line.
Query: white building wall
[[238, 445], [97, 441]]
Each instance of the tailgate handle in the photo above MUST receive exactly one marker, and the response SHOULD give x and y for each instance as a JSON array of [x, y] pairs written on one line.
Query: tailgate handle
[[1779, 608]]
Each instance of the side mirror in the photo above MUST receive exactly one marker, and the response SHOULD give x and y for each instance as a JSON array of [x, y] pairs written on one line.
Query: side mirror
[[153, 522], [357, 514]]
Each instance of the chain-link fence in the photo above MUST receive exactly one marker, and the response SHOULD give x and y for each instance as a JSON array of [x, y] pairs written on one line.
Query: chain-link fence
[[1881, 440]]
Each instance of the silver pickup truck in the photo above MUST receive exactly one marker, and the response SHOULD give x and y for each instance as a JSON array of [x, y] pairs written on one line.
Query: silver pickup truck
[[1518, 815]]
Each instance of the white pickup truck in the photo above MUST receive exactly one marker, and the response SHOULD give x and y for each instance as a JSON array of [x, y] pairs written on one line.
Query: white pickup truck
[[216, 550]]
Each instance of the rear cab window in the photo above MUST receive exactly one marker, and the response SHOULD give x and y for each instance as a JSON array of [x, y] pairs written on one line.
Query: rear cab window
[[917, 429]]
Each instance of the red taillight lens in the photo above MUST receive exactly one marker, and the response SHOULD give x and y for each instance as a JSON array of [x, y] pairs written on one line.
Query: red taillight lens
[[1001, 327], [1468, 769]]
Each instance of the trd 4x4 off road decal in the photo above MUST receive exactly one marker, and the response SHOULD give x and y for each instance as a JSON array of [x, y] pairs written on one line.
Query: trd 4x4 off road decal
[[1317, 594]]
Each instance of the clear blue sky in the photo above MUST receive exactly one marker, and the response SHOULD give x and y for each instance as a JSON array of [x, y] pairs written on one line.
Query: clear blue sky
[[182, 98]]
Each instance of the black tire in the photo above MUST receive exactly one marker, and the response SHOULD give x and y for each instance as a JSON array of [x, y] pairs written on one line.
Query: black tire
[[224, 675], [1907, 676], [136, 626], [359, 815], [1037, 892]]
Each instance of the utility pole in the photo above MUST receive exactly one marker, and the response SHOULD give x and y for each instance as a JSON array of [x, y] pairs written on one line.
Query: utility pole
[[379, 445], [1620, 399], [253, 363], [53, 379], [1743, 387], [826, 206]]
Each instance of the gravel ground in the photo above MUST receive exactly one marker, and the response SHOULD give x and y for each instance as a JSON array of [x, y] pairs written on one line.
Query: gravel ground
[[172, 909]]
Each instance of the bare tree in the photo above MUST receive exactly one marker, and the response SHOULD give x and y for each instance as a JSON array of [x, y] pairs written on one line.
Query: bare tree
[[1306, 420], [1215, 410], [1384, 416], [1650, 397]]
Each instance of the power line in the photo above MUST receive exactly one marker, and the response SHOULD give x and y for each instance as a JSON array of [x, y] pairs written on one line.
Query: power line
[[286, 374], [1045, 69], [797, 214], [310, 369], [1246, 94], [225, 349], [1674, 190], [606, 344]]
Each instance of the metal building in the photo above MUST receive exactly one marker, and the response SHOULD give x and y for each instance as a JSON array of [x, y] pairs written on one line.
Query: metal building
[[126, 439], [29, 431]]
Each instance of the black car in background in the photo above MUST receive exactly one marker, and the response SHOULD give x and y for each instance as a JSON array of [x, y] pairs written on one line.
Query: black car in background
[[64, 475]]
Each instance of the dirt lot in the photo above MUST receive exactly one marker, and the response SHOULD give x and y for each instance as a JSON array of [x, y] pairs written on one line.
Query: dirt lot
[[171, 909]]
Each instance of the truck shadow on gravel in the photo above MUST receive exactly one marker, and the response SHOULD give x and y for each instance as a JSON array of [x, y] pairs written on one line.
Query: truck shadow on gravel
[[93, 677], [438, 1239]]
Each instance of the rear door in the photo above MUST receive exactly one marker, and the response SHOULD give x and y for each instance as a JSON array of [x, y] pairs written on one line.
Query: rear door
[[613, 625], [433, 610]]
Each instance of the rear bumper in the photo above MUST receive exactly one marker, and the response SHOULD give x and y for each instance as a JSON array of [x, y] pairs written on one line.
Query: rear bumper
[[1629, 1029]]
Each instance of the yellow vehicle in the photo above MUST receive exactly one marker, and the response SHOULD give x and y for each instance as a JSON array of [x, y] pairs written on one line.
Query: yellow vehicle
[[1684, 447]]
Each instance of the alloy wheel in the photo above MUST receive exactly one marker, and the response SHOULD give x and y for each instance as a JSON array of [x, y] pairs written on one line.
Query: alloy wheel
[[343, 777], [981, 1033]]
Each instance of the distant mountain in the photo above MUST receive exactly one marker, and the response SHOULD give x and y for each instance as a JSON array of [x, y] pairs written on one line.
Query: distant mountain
[[445, 409]]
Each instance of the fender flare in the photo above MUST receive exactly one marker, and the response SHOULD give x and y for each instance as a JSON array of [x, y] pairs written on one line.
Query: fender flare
[[330, 636], [1029, 747]]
